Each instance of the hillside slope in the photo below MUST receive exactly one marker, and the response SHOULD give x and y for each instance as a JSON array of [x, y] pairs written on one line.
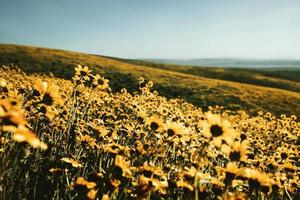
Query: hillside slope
[[198, 90], [280, 77]]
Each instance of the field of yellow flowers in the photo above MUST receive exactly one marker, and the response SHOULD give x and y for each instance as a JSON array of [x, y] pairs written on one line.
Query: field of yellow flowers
[[63, 139]]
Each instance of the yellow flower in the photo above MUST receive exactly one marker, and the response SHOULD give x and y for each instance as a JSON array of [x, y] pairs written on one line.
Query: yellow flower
[[3, 82], [187, 172], [184, 184], [13, 120], [49, 93], [124, 166], [115, 182], [4, 88], [155, 123], [115, 148], [83, 72], [139, 147], [149, 170], [174, 128], [22, 134], [11, 115], [238, 151], [141, 80], [255, 176], [82, 182], [101, 130], [52, 96], [56, 170], [152, 184], [237, 196], [49, 111], [88, 139], [41, 87], [288, 166], [100, 82], [105, 197], [71, 161], [218, 129], [92, 194]]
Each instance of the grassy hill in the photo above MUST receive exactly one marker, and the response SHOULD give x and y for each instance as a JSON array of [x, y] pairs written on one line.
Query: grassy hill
[[278, 77], [233, 62], [200, 86]]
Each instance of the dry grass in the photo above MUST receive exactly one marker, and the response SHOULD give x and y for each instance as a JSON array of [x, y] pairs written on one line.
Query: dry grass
[[195, 89]]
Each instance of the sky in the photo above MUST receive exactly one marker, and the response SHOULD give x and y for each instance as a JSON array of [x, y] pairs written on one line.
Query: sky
[[173, 29]]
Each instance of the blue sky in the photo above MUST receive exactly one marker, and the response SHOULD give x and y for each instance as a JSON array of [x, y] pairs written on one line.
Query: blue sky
[[181, 29]]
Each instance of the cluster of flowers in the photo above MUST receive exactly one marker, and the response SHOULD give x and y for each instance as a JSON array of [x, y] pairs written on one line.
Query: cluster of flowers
[[76, 139]]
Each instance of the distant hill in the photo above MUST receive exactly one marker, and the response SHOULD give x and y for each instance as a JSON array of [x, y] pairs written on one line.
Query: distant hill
[[284, 78], [201, 86], [241, 63], [283, 68]]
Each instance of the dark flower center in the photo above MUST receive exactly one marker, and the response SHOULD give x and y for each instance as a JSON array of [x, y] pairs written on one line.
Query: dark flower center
[[83, 73], [228, 178], [8, 121], [216, 130], [254, 184], [170, 132], [100, 82], [284, 155], [147, 173], [243, 137], [36, 93], [47, 99], [43, 110], [235, 156], [154, 126]]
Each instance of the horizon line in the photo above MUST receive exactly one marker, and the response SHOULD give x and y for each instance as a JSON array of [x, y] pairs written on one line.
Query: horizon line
[[155, 58]]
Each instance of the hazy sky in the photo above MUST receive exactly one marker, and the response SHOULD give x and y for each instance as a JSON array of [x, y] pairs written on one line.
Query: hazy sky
[[157, 28]]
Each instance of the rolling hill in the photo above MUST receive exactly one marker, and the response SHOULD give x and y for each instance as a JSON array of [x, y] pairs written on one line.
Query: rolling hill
[[234, 89], [232, 62], [278, 77]]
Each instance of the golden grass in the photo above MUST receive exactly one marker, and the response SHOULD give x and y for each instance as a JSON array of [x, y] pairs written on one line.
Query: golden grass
[[198, 90]]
